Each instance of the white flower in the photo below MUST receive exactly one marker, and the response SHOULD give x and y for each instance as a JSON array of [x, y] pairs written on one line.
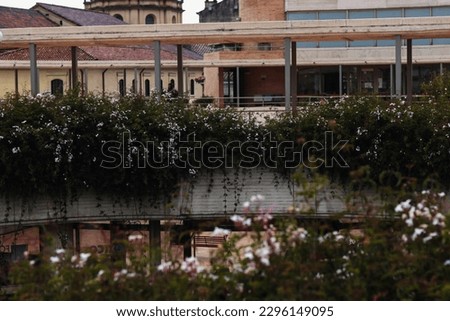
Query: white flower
[[55, 259], [16, 150], [409, 222], [132, 238], [165, 266], [84, 256], [248, 254], [220, 232], [60, 251], [257, 198], [447, 262], [441, 194], [429, 237], [417, 232], [246, 205]]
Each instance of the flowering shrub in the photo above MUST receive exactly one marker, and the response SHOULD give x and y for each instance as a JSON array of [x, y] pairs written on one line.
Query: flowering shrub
[[283, 259], [60, 145]]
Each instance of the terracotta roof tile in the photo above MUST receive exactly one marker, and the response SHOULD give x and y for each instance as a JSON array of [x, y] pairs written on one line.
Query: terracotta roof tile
[[81, 17], [168, 52], [45, 53], [22, 18]]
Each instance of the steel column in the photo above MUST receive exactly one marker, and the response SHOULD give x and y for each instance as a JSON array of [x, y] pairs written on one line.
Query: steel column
[[34, 70], [287, 73], [409, 67], [157, 55], [398, 66]]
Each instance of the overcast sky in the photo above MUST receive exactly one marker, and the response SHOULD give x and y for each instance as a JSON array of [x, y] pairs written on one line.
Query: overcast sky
[[191, 7]]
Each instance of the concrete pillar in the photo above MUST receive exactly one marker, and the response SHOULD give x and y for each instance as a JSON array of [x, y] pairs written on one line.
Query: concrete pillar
[[34, 75], [398, 66], [341, 91], [287, 73]]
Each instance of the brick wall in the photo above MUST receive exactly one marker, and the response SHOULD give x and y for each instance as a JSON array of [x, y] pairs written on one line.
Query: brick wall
[[257, 10]]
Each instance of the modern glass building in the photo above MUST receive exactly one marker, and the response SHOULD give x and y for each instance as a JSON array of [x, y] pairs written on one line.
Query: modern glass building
[[369, 64]]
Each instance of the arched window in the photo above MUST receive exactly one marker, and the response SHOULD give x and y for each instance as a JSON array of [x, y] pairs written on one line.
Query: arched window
[[174, 19], [57, 87], [118, 16], [147, 87], [150, 19], [192, 89], [121, 87]]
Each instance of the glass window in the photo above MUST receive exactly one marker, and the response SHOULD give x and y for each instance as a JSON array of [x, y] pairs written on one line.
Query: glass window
[[441, 41], [421, 42], [118, 16], [150, 19], [389, 13], [385, 43], [332, 44], [331, 15], [192, 89], [307, 44], [361, 14], [362, 43], [57, 87], [121, 87], [440, 11], [417, 12], [308, 15], [147, 87]]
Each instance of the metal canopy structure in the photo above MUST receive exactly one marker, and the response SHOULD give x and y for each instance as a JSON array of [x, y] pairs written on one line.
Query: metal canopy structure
[[179, 34], [288, 32]]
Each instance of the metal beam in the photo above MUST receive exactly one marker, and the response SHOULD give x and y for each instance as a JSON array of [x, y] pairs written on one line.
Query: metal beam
[[398, 66], [287, 73], [268, 31], [34, 70]]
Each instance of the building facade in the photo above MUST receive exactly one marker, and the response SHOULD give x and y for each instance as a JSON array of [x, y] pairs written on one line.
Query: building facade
[[140, 11], [325, 68], [102, 70]]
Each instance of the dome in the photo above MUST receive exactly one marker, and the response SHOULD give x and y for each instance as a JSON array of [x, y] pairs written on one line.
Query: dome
[[140, 11]]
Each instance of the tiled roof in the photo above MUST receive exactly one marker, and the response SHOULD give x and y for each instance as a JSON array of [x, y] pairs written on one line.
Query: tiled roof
[[45, 53], [80, 17], [22, 18], [168, 52]]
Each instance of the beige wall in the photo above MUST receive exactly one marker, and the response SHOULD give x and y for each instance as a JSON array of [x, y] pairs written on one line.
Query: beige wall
[[135, 11], [94, 79]]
